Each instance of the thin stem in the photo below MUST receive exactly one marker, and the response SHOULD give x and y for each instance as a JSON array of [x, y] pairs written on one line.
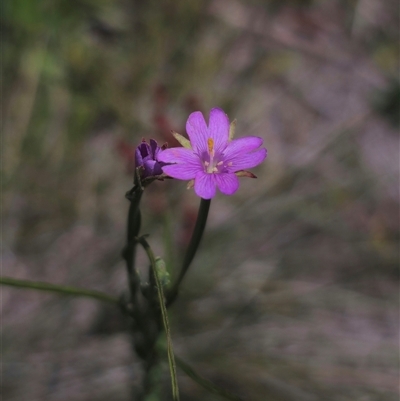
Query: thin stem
[[133, 228], [164, 315], [60, 289], [192, 248]]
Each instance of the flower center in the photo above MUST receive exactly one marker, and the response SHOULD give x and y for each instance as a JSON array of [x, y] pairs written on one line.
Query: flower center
[[212, 165]]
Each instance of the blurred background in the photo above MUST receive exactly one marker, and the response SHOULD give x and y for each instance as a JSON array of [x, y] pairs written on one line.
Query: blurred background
[[294, 294]]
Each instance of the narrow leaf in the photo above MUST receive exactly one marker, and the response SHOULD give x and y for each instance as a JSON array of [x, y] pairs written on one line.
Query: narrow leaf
[[56, 288], [170, 351], [205, 383]]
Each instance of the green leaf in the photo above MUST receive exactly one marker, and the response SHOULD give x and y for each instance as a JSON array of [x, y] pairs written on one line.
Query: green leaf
[[182, 140], [59, 289]]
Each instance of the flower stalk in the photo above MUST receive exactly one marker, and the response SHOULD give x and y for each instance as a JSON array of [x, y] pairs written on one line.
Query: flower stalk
[[192, 248], [133, 228]]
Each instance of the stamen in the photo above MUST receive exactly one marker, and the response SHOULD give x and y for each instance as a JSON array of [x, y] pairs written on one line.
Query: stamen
[[212, 166], [210, 143]]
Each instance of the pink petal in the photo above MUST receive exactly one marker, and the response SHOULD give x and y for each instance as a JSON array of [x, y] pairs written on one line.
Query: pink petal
[[228, 184], [197, 130], [188, 164], [246, 161], [178, 155], [218, 128], [181, 171], [242, 145], [204, 185]]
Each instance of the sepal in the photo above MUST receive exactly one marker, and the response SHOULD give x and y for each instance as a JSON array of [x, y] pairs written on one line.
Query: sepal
[[245, 173], [182, 140], [232, 128]]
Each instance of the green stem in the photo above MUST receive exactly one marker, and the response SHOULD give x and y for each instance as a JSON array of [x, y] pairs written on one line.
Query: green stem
[[133, 228], [164, 315], [192, 248], [60, 289]]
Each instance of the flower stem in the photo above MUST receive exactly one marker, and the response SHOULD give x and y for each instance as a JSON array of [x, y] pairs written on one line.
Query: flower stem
[[60, 289], [192, 248], [133, 228]]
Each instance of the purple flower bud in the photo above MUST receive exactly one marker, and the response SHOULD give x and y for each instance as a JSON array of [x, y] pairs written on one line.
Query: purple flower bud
[[146, 158]]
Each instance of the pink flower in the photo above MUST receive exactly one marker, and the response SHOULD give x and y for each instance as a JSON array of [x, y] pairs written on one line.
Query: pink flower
[[212, 159]]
